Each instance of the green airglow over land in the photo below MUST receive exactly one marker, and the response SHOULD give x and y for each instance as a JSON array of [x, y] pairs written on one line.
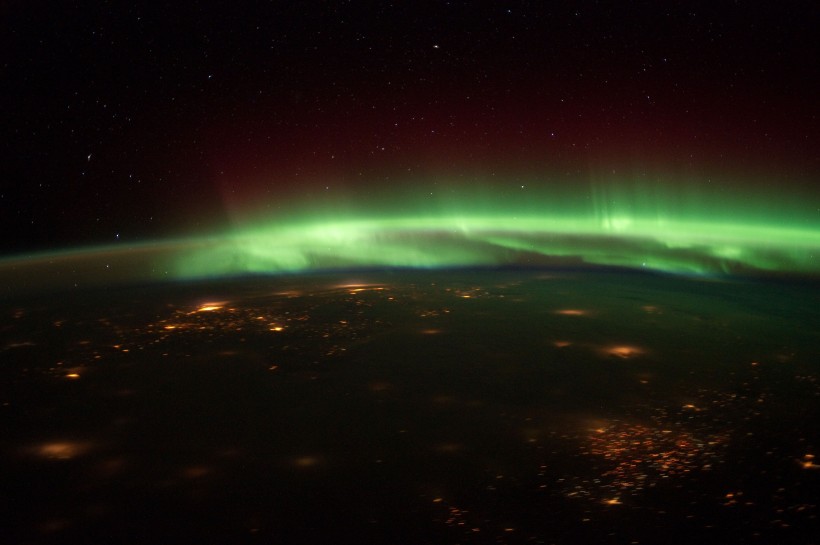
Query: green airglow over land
[[689, 231], [688, 228], [459, 241]]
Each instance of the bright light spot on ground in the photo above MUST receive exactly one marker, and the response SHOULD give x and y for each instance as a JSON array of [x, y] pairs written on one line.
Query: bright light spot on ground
[[211, 306], [808, 462], [571, 312], [60, 450], [623, 351]]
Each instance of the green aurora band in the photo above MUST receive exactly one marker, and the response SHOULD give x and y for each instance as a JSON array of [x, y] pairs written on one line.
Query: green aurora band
[[685, 233], [460, 241], [682, 229]]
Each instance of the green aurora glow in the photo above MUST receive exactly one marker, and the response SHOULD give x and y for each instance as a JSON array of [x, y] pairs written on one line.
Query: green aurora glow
[[691, 233], [684, 228], [456, 241]]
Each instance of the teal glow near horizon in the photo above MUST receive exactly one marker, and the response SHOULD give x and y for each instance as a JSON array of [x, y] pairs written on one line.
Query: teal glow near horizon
[[674, 230], [691, 228], [685, 228], [699, 247]]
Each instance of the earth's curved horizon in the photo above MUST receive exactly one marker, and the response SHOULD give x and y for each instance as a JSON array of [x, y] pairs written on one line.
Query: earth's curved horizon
[[450, 242]]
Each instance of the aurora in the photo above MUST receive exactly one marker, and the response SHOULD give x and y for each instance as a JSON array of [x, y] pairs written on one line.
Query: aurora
[[694, 233], [455, 241]]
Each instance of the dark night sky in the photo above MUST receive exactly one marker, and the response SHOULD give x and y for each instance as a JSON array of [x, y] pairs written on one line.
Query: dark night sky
[[130, 121]]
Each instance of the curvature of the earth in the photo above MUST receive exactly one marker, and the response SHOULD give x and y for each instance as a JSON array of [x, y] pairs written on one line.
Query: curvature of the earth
[[414, 407]]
